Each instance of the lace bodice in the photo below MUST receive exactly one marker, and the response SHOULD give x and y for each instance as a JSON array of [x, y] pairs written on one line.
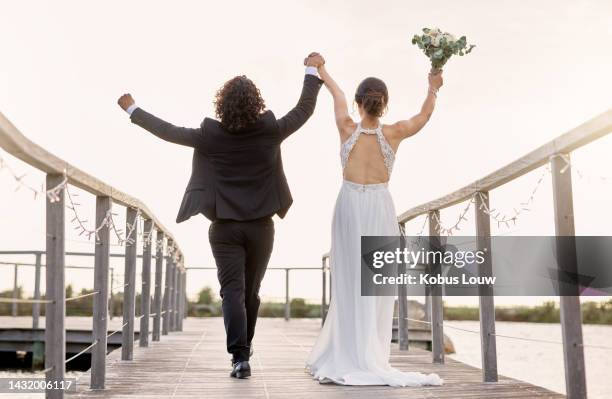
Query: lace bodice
[[385, 147]]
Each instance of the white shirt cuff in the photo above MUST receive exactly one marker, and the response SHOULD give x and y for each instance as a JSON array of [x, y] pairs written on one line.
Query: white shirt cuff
[[310, 70], [131, 109]]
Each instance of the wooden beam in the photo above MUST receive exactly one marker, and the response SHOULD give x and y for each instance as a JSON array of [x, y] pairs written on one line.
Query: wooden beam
[[171, 303], [100, 301], [331, 286], [111, 301], [183, 301], [178, 299], [402, 304], [485, 292], [167, 292], [185, 297], [287, 300], [571, 319], [14, 305], [55, 312], [157, 297], [36, 306], [145, 292], [16, 144], [177, 295], [589, 131], [323, 289], [437, 307], [129, 293], [427, 303]]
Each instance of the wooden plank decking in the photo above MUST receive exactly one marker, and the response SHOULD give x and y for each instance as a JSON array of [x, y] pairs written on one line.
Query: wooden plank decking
[[194, 364]]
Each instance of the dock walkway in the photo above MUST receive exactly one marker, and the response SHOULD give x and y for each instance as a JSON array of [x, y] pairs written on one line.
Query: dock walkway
[[193, 364]]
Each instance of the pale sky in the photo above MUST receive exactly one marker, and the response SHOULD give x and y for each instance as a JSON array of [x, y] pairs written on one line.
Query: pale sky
[[539, 69]]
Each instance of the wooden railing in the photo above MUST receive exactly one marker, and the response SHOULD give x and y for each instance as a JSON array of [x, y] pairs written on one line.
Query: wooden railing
[[60, 172], [557, 154]]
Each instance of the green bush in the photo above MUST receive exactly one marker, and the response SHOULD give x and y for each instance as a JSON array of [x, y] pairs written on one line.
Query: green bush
[[548, 312]]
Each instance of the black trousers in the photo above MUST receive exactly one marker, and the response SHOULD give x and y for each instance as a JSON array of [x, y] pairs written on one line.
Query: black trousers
[[242, 251]]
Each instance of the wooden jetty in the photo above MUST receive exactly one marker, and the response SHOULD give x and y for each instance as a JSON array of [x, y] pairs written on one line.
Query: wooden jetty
[[187, 359], [194, 364], [17, 334]]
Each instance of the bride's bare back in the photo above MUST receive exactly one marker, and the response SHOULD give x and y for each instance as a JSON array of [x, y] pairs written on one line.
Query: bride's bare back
[[367, 156], [366, 164], [368, 148]]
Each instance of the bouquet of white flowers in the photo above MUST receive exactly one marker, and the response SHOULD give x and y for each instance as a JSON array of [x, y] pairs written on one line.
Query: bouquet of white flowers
[[439, 46]]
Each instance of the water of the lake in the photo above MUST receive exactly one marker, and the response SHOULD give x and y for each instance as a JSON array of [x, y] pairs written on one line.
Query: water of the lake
[[538, 363]]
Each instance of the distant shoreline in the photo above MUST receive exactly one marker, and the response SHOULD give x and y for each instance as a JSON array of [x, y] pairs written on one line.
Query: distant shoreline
[[548, 312], [208, 305]]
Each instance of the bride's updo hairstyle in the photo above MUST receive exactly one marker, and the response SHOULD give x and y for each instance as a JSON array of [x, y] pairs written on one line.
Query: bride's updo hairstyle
[[372, 96]]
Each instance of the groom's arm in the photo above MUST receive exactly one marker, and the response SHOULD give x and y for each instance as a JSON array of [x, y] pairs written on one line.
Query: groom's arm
[[305, 107], [191, 137]]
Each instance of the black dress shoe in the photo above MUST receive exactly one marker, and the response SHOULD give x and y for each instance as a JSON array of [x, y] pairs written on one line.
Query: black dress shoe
[[241, 370]]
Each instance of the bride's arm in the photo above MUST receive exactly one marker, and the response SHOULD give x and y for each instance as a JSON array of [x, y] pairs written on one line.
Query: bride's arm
[[406, 128], [343, 119]]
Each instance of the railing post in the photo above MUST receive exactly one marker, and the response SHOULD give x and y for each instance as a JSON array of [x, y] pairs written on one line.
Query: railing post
[[171, 301], [170, 280], [36, 306], [402, 302], [485, 292], [183, 298], [287, 301], [175, 296], [331, 286], [324, 291], [167, 291], [157, 296], [145, 295], [571, 321], [428, 303], [100, 301], [129, 293], [55, 312], [111, 302], [437, 310], [14, 306], [178, 300]]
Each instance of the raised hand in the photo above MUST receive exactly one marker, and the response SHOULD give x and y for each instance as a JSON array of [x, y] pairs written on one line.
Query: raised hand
[[314, 59], [125, 101], [435, 79]]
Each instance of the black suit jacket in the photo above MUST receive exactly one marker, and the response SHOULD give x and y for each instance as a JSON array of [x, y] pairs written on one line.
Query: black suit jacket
[[237, 175]]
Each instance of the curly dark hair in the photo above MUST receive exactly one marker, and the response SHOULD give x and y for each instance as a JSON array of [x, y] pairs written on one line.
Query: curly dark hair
[[238, 103], [373, 96]]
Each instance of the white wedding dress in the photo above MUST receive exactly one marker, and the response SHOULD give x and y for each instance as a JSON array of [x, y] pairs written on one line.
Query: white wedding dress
[[354, 345]]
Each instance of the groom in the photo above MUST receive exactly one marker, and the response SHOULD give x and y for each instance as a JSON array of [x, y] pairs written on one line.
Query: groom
[[237, 181]]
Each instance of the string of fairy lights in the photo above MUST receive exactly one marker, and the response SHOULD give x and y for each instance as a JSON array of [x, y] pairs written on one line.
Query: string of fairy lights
[[503, 219], [19, 179], [80, 224]]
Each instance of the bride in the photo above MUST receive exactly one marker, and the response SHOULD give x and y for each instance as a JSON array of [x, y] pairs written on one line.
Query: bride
[[353, 347]]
